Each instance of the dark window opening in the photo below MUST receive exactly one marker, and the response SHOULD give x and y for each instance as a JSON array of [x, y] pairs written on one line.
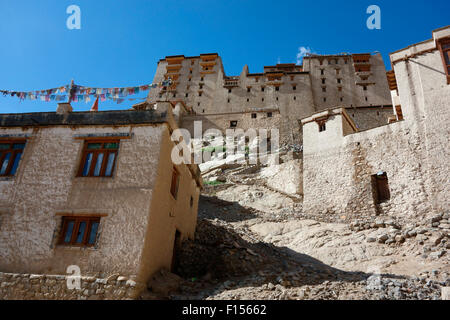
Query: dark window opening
[[192, 202], [79, 231], [269, 114], [233, 124], [229, 90], [322, 126], [99, 158], [249, 89], [175, 182], [277, 88], [10, 155], [262, 89], [253, 115], [380, 187]]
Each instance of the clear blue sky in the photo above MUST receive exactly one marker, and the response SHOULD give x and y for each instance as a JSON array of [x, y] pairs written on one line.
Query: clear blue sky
[[120, 42]]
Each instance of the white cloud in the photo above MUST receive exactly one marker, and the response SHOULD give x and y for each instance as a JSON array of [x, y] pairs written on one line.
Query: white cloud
[[302, 52]]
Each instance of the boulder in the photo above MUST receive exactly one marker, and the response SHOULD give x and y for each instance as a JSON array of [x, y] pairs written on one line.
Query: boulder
[[164, 283]]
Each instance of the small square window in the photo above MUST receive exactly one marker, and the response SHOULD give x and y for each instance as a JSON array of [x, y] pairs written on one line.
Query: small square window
[[229, 90], [322, 126], [233, 124], [253, 115], [79, 231], [262, 89], [99, 158], [277, 88], [269, 114], [324, 89], [10, 155], [294, 88], [249, 89], [323, 81]]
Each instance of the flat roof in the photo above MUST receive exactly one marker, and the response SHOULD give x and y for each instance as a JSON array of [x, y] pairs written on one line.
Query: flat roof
[[113, 117]]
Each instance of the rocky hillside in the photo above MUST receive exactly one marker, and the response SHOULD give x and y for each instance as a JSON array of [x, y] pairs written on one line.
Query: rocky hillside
[[254, 242]]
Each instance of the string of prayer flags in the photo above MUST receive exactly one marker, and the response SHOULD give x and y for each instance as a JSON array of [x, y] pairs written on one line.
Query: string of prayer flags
[[78, 93]]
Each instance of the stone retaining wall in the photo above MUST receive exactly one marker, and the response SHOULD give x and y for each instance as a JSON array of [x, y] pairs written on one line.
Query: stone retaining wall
[[15, 286]]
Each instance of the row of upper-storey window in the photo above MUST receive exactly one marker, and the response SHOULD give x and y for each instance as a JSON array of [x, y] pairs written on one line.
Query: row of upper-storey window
[[334, 61], [98, 157]]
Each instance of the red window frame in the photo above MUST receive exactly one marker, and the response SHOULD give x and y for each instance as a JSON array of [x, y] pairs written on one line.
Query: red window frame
[[12, 158], [77, 221]]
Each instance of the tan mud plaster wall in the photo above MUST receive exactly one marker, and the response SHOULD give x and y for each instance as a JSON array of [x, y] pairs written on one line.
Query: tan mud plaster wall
[[245, 122], [168, 214], [425, 99], [338, 170], [45, 185], [370, 117]]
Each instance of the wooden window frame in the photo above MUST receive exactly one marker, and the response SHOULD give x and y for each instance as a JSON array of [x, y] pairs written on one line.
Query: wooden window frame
[[95, 153], [13, 152], [89, 220], [440, 43], [175, 182]]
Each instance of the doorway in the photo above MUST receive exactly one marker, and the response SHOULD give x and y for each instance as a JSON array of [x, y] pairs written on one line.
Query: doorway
[[176, 251]]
